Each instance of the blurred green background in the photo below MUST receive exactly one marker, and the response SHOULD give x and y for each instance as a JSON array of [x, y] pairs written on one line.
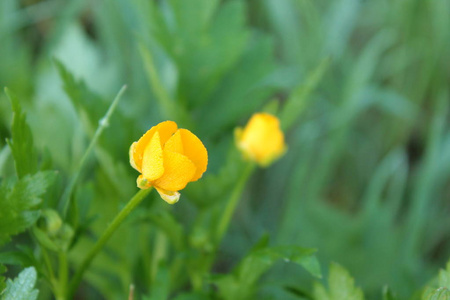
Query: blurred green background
[[361, 87]]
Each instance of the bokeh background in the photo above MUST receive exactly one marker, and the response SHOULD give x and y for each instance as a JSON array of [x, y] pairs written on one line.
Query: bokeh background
[[365, 83]]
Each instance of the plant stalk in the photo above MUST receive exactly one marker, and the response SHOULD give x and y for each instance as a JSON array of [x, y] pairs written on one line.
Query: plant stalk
[[131, 205], [233, 201], [103, 123]]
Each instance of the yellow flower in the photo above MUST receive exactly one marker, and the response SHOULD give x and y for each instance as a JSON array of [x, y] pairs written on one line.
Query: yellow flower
[[262, 139], [168, 159]]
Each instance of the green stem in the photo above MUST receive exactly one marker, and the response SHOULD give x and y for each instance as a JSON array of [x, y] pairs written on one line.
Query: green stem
[[233, 201], [63, 276], [51, 275], [103, 123], [131, 205]]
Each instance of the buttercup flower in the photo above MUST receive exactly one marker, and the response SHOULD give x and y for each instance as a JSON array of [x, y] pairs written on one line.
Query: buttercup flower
[[262, 139], [168, 159]]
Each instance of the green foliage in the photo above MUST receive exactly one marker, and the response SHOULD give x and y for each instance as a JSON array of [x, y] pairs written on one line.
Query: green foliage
[[161, 288], [2, 279], [19, 202], [22, 147], [297, 103], [241, 283], [388, 294], [340, 286], [440, 289], [22, 288], [220, 66], [89, 105], [53, 234], [361, 89], [439, 294]]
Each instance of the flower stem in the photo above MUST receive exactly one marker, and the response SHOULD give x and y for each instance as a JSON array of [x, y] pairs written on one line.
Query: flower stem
[[63, 275], [50, 274], [233, 201], [131, 205], [103, 123]]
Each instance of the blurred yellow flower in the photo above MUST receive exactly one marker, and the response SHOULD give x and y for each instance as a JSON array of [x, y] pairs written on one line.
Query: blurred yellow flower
[[168, 159], [262, 139]]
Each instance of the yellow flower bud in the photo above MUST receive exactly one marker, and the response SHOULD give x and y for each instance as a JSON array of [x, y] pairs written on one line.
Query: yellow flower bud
[[168, 159], [262, 139]]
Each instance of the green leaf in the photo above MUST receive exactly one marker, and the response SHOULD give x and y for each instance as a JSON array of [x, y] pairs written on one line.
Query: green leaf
[[242, 91], [440, 287], [170, 226], [19, 202], [205, 39], [23, 151], [89, 106], [258, 262], [341, 286], [242, 282], [444, 277], [22, 288], [18, 258], [298, 100], [441, 293], [192, 296], [161, 286], [2, 279], [388, 294]]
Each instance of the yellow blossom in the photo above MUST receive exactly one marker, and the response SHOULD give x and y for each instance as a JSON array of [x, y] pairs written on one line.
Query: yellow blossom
[[168, 159], [262, 139]]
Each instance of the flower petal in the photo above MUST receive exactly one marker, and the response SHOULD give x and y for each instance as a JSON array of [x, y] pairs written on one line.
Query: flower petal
[[132, 151], [174, 143], [195, 151], [169, 197], [152, 162], [165, 129], [262, 139], [178, 171]]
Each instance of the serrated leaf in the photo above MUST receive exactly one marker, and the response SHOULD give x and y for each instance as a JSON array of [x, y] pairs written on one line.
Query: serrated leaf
[[257, 263], [341, 286], [22, 288], [444, 277], [21, 144], [19, 202], [242, 282], [89, 105], [18, 258], [211, 38], [439, 288], [441, 293]]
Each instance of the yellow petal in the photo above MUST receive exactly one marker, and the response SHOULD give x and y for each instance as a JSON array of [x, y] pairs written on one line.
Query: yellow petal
[[178, 171], [174, 143], [143, 183], [169, 197], [195, 151], [262, 139], [132, 151], [152, 162], [165, 129]]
